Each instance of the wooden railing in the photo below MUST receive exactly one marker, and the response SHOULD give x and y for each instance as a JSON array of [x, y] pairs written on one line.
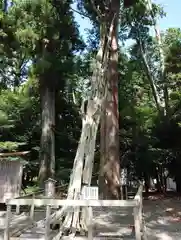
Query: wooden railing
[[136, 204]]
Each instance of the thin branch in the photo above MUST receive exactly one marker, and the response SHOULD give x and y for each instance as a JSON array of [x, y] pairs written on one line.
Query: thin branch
[[85, 15], [80, 13]]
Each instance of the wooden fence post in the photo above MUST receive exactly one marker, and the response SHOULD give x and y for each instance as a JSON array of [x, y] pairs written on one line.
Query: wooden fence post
[[7, 222], [138, 221], [49, 193], [89, 193], [17, 209], [90, 224], [32, 209], [126, 192], [47, 222], [141, 210]]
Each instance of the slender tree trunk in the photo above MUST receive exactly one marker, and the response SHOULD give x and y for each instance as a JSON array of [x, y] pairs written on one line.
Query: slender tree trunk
[[110, 160], [150, 78], [147, 182], [47, 144], [159, 187], [162, 59], [178, 183]]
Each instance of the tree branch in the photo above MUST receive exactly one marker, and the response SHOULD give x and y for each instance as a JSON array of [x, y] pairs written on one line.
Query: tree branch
[[96, 10]]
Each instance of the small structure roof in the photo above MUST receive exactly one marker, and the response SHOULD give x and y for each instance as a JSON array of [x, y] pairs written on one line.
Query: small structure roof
[[14, 155]]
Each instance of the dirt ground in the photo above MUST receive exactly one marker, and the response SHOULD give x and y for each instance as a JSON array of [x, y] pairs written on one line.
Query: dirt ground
[[162, 217]]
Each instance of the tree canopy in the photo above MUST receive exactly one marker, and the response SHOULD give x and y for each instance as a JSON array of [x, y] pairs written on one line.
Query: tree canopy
[[41, 45]]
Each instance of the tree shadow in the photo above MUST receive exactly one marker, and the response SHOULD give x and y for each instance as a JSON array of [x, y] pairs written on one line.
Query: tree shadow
[[162, 219]]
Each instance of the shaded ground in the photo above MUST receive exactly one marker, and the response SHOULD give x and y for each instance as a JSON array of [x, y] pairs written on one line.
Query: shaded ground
[[162, 216]]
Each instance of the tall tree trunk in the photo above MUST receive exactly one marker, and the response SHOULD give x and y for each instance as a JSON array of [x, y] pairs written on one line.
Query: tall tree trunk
[[47, 144], [83, 162], [110, 160]]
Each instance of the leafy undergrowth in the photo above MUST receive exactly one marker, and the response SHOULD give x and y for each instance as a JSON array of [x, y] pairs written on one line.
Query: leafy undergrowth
[[30, 189]]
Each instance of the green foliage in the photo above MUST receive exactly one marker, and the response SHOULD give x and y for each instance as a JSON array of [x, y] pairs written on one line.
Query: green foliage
[[40, 43]]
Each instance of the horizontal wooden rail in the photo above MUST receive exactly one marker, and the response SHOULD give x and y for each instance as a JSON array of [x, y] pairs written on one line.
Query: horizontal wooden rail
[[136, 204], [73, 203], [2, 155], [30, 194]]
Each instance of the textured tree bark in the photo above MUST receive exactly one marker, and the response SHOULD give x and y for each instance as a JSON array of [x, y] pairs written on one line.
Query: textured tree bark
[[110, 161], [47, 144], [84, 159], [102, 182]]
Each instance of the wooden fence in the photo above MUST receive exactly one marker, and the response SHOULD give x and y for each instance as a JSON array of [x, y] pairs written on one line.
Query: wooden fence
[[136, 204]]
